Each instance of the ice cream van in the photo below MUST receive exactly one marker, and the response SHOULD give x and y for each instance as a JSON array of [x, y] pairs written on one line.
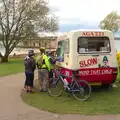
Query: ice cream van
[[91, 53]]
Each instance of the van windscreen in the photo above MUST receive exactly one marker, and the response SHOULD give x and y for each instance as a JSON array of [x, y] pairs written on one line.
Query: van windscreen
[[93, 45]]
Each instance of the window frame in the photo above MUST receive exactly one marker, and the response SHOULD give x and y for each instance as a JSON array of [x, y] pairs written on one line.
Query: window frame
[[93, 52], [67, 39]]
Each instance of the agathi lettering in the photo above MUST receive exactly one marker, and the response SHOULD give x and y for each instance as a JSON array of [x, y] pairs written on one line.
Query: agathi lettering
[[93, 34]]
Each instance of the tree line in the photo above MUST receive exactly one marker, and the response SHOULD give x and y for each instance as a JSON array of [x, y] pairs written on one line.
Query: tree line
[[111, 22]]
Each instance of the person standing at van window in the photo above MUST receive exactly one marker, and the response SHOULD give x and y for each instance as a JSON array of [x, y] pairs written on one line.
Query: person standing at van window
[[52, 62], [30, 66], [43, 70]]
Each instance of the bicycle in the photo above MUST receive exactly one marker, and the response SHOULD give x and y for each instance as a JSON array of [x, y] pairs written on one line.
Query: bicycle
[[76, 86]]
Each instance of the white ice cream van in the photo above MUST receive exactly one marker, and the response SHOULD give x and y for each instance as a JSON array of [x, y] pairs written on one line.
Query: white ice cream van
[[91, 53]]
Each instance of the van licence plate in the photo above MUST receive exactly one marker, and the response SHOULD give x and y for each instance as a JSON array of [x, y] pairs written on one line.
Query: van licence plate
[[95, 83]]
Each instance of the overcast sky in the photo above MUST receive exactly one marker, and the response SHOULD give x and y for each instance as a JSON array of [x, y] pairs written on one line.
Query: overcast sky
[[76, 14]]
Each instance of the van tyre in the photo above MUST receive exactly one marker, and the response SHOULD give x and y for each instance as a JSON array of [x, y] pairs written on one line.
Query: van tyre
[[107, 86]]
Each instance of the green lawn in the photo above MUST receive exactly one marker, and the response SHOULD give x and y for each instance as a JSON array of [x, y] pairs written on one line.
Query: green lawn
[[12, 67], [101, 102]]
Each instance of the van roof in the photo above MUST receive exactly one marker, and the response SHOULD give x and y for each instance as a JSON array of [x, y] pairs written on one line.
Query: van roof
[[83, 30], [98, 30]]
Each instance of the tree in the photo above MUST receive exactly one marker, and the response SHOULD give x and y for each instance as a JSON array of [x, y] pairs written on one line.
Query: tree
[[15, 15], [29, 32], [110, 22]]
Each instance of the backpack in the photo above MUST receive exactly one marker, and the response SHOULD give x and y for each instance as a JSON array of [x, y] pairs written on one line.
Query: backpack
[[39, 62]]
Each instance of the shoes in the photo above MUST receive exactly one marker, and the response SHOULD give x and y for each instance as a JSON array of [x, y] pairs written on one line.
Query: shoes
[[27, 91], [43, 90], [30, 91]]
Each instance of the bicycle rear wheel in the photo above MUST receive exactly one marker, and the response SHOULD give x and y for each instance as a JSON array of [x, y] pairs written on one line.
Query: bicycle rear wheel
[[81, 90], [55, 87]]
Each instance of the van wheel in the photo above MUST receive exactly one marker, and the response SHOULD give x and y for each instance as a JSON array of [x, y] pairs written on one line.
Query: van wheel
[[106, 86]]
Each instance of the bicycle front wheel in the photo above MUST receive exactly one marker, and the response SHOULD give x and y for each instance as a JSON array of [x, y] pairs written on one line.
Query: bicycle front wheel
[[81, 90], [55, 87]]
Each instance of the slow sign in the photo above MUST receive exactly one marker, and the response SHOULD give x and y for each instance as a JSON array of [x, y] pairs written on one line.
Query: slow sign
[[88, 62], [93, 34]]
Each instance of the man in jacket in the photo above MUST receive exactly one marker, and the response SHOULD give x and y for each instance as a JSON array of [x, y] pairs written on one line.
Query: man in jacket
[[43, 65], [52, 62]]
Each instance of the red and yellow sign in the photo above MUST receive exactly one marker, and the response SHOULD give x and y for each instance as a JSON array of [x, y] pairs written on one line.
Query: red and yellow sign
[[93, 34]]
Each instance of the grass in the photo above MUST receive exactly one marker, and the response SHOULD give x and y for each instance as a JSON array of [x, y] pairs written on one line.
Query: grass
[[102, 101], [12, 67]]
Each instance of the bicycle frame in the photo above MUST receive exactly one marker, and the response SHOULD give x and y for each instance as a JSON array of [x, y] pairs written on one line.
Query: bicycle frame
[[70, 89]]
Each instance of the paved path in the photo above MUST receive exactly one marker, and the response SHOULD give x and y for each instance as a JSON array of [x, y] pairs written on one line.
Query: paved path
[[13, 108]]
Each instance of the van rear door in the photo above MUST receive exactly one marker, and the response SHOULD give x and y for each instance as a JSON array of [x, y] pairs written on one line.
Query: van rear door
[[95, 59], [94, 52]]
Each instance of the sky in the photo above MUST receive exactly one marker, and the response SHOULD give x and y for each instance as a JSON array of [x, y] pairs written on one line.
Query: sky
[[82, 14]]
